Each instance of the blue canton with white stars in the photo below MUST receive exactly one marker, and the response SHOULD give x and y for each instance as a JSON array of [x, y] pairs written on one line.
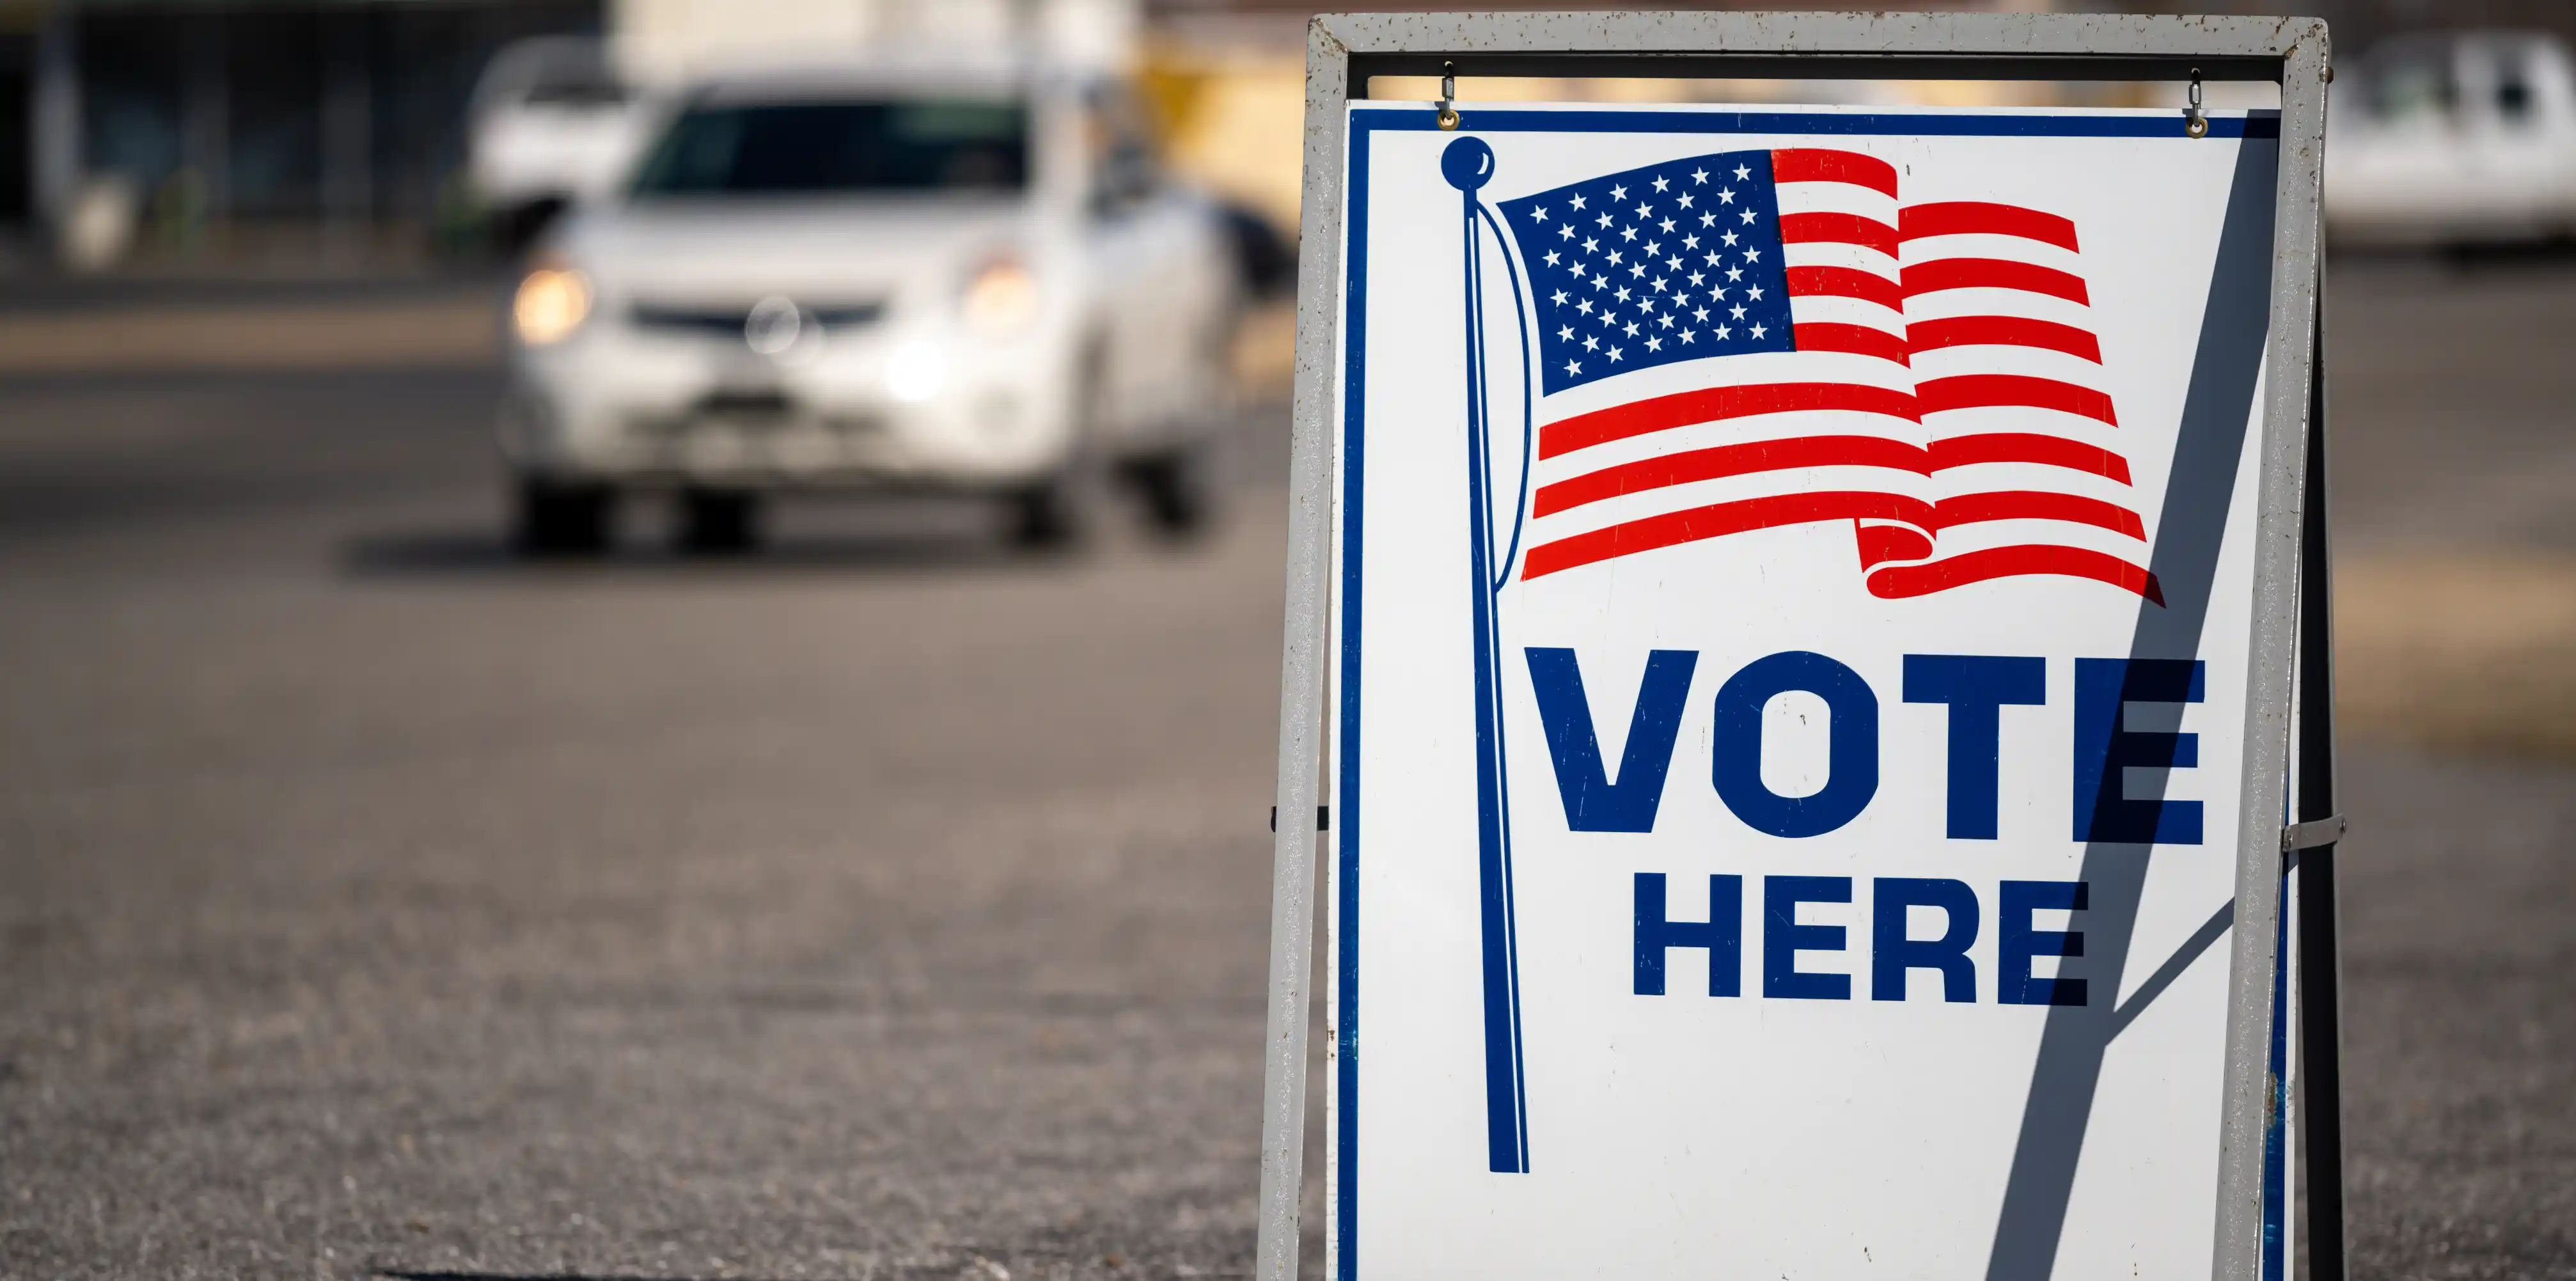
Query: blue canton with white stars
[[1674, 261]]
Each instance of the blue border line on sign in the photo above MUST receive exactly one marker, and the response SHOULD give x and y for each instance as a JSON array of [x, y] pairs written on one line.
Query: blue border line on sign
[[1362, 123], [1346, 888]]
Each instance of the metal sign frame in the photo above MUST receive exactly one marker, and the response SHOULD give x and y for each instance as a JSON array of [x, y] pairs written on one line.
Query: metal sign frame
[[2288, 726]]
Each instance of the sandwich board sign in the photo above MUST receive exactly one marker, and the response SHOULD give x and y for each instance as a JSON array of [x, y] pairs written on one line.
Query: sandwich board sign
[[1797, 624]]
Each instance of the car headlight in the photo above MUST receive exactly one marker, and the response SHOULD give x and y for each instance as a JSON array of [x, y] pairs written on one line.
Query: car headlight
[[1000, 299], [916, 372], [551, 303]]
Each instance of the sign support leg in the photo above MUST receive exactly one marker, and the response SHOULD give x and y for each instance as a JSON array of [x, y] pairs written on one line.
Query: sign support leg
[[2320, 946]]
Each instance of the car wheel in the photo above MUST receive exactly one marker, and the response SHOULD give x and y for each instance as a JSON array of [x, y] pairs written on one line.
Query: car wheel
[[720, 522], [555, 518], [1183, 489], [1058, 512]]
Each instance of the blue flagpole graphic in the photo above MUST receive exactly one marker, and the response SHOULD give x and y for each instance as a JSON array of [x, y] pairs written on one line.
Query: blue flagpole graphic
[[1468, 164]]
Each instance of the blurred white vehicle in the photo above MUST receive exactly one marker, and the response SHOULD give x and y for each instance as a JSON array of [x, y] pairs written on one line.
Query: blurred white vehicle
[[551, 122], [959, 278], [2454, 139]]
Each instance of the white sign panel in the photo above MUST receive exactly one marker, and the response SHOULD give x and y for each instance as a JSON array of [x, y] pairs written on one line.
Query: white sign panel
[[1792, 635]]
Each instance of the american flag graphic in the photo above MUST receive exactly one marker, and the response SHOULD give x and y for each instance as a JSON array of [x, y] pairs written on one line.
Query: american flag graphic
[[1754, 339]]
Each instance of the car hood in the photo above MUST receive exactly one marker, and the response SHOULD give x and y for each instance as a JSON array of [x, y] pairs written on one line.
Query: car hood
[[821, 251]]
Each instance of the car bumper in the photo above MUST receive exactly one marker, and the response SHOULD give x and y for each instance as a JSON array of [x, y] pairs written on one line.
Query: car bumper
[[887, 410]]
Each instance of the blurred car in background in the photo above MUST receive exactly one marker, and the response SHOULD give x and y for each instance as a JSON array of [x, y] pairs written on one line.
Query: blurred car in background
[[958, 277], [551, 122], [2454, 139]]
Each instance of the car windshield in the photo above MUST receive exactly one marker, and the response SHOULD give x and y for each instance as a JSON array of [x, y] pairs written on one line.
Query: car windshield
[[800, 148]]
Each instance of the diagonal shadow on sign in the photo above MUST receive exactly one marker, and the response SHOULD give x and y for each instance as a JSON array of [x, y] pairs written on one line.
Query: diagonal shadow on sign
[[2207, 452]]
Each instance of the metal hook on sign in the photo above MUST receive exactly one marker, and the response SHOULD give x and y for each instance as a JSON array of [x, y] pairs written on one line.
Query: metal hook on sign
[[2194, 123], [1448, 90]]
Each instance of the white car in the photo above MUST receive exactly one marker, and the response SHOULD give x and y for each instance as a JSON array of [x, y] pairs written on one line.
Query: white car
[[963, 278], [2454, 139], [551, 123]]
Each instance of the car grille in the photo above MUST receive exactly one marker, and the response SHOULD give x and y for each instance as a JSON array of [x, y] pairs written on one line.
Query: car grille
[[727, 322]]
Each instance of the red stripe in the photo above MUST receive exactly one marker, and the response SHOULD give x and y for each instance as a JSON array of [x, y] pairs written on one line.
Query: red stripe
[[1859, 340], [1889, 542], [1992, 273], [1899, 581], [2021, 447], [1728, 460], [1715, 521], [1817, 164], [1971, 217], [1837, 229], [1846, 282], [1681, 409], [2014, 391], [2023, 504], [1998, 331]]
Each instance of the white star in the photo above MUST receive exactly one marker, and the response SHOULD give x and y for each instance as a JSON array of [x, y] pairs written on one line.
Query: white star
[[1757, 330], [1666, 320], [1565, 334], [1591, 343], [1659, 284], [1618, 193], [1690, 242], [1726, 197], [1659, 184], [1584, 306], [1628, 234], [1708, 219], [1712, 260], [1637, 270], [1736, 311], [1609, 317], [1631, 327], [1668, 226], [1717, 295], [1622, 295], [1603, 221], [1752, 255], [1678, 301], [1723, 333], [1685, 199], [1699, 176], [1614, 355], [1742, 173], [1599, 280], [1578, 204], [1686, 335], [1700, 315], [1565, 230], [1645, 211], [1748, 216], [1754, 293], [1559, 298], [1735, 273], [1646, 305], [1614, 257], [1571, 369], [1654, 344], [1653, 249], [1728, 241], [1551, 257], [1538, 213], [1695, 279], [1594, 246], [1674, 263]]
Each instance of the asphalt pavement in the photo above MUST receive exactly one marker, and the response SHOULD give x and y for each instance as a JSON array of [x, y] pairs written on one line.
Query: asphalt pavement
[[891, 904]]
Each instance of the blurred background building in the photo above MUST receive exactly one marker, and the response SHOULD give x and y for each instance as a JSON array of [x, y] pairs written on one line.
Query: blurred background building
[[334, 131]]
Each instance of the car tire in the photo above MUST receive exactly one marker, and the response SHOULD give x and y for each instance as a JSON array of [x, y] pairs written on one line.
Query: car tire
[[1057, 513], [1183, 489], [719, 522], [556, 518]]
